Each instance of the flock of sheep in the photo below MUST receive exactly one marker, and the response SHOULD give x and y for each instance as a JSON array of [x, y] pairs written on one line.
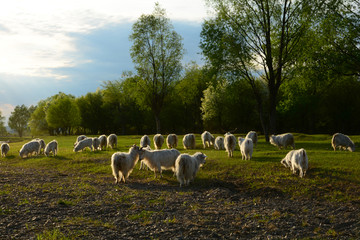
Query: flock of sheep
[[184, 166]]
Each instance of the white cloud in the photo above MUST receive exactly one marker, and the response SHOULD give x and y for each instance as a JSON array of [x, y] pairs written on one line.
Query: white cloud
[[6, 110]]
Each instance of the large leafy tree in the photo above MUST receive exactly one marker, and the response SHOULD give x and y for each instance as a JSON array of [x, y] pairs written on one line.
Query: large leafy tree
[[157, 52], [19, 118], [2, 126], [257, 40]]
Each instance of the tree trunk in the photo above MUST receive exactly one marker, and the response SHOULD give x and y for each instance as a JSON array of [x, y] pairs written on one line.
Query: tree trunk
[[157, 121]]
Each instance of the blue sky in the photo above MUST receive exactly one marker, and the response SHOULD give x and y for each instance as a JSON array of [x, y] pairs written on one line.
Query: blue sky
[[52, 46]]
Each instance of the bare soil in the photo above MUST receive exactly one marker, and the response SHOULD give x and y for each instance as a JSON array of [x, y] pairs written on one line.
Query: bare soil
[[34, 202]]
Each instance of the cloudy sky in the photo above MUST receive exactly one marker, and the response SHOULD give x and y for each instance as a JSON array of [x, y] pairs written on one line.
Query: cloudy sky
[[73, 46]]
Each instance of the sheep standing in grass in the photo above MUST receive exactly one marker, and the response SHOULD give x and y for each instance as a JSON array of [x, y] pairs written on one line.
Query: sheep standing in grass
[[343, 142], [145, 141], [186, 167], [4, 149], [87, 142], [189, 141], [51, 147], [219, 143], [30, 148], [246, 148], [103, 142], [112, 141], [158, 141], [283, 140], [297, 161], [122, 163], [157, 160], [142, 164], [42, 144], [229, 143], [79, 138], [207, 139], [254, 137], [96, 143], [172, 141]]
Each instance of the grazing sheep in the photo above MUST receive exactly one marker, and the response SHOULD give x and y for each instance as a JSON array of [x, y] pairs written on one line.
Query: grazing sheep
[[246, 148], [296, 160], [112, 141], [87, 142], [157, 160], [122, 163], [186, 167], [207, 139], [229, 143], [30, 148], [189, 141], [254, 137], [42, 144], [343, 142], [4, 149], [158, 141], [145, 141], [96, 143], [219, 143], [283, 140], [79, 138], [172, 141], [142, 164], [51, 147], [103, 142]]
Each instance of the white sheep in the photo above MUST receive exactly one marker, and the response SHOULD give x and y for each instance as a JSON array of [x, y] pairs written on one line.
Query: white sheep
[[229, 143], [112, 141], [189, 141], [103, 142], [158, 141], [246, 148], [96, 143], [172, 141], [32, 147], [51, 147], [122, 163], [343, 142], [87, 142], [145, 141], [79, 138], [283, 140], [219, 143], [4, 149], [254, 137], [142, 164], [186, 167], [296, 160], [42, 144], [207, 139], [157, 160]]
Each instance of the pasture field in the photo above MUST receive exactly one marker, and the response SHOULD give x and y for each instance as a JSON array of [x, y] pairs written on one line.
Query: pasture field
[[73, 195]]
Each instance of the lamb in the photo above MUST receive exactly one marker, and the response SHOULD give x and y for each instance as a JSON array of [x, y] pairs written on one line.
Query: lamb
[[296, 160], [246, 148], [254, 137], [30, 148], [96, 143], [172, 141], [51, 147], [103, 142], [219, 143], [157, 160], [87, 142], [4, 149], [207, 139], [112, 141], [42, 143], [229, 143], [343, 142], [283, 140], [189, 141], [186, 167], [145, 141], [158, 141], [79, 138], [122, 163]]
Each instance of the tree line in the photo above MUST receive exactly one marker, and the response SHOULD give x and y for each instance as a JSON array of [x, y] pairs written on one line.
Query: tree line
[[270, 66]]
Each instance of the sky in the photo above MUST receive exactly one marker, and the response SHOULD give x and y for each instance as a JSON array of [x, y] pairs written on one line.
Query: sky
[[71, 46]]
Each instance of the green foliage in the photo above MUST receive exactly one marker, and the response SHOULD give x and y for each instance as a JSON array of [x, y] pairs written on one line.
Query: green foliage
[[19, 118], [2, 126], [37, 123]]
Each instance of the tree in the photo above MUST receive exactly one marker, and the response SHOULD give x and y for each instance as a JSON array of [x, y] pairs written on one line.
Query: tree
[[18, 119], [157, 51], [37, 123], [2, 126], [257, 40]]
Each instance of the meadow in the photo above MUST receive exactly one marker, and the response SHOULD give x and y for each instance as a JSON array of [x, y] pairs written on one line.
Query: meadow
[[73, 195]]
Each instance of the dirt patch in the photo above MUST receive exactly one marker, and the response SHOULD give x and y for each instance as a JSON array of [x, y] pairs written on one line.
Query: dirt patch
[[77, 206]]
